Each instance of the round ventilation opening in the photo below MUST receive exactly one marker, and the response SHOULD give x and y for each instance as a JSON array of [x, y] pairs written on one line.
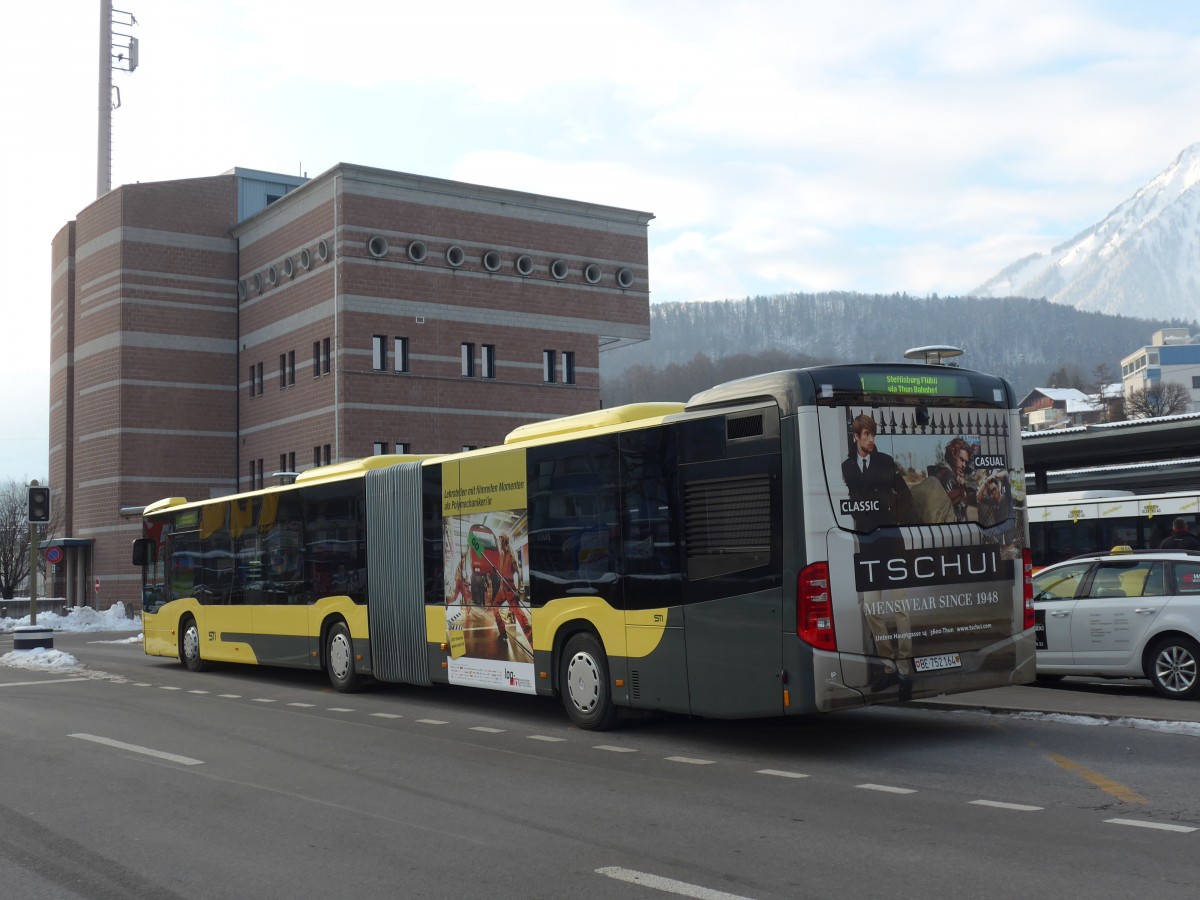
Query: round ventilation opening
[[272, 276], [625, 278], [242, 290], [305, 258], [288, 268], [455, 256], [322, 250], [491, 261], [255, 282], [377, 246], [591, 273], [417, 251], [524, 265], [559, 269]]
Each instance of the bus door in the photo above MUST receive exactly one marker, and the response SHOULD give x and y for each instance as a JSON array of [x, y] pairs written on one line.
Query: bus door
[[733, 599]]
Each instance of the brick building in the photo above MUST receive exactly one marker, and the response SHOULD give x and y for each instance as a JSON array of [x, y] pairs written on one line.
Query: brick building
[[209, 332]]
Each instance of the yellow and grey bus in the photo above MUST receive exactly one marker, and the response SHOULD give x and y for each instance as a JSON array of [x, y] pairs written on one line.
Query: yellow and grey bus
[[807, 540]]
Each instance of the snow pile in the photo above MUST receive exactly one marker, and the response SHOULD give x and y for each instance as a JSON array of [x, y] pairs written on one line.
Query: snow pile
[[79, 619], [42, 660]]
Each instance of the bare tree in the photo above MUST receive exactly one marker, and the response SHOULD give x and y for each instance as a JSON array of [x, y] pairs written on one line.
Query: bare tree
[[1112, 408], [14, 538], [1166, 398]]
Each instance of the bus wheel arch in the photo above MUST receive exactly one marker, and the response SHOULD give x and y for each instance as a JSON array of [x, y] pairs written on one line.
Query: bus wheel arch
[[189, 644], [584, 680], [337, 656]]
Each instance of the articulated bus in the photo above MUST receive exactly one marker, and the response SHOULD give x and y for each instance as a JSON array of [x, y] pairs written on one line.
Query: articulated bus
[[1062, 525], [728, 557]]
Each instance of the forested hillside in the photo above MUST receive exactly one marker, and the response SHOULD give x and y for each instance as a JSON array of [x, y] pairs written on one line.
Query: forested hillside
[[1023, 340]]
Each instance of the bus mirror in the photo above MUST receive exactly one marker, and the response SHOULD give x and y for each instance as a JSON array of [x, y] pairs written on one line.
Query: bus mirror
[[144, 552]]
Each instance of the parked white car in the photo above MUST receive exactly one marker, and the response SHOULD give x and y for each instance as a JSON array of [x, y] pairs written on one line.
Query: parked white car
[[1122, 614]]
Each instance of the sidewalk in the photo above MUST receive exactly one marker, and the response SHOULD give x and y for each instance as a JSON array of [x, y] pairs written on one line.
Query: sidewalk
[[1076, 697]]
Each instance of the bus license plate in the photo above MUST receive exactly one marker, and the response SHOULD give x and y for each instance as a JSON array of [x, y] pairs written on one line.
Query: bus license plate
[[930, 663]]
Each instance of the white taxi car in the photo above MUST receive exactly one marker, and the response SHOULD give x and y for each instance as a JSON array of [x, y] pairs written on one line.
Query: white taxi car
[[1122, 614]]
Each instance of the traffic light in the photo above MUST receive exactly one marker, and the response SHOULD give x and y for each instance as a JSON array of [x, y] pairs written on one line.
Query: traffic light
[[39, 505]]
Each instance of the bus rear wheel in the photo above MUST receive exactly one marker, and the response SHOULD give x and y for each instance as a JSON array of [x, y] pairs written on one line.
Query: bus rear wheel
[[189, 645], [583, 681], [339, 659]]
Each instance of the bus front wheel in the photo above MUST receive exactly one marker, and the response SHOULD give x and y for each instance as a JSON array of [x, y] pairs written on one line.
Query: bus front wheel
[[189, 645], [339, 659], [583, 681]]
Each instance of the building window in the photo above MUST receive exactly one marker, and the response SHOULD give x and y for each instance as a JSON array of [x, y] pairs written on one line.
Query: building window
[[291, 367], [256, 474], [325, 356], [402, 448], [568, 366], [380, 448], [283, 462], [316, 359], [317, 455], [467, 447], [253, 383], [548, 366], [282, 371], [1195, 382], [379, 352], [468, 360], [328, 454], [259, 376], [400, 346], [488, 360]]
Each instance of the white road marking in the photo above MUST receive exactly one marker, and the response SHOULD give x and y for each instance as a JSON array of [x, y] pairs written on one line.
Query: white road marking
[[169, 687], [303, 705], [197, 692], [611, 749], [668, 885], [887, 789], [230, 696], [689, 760], [487, 730], [780, 773], [261, 700], [432, 722], [134, 748], [387, 716], [1161, 826], [1019, 807], [47, 681], [338, 709], [545, 737], [141, 684]]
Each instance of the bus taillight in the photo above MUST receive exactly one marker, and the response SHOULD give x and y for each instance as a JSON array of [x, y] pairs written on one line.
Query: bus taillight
[[1027, 575], [814, 609]]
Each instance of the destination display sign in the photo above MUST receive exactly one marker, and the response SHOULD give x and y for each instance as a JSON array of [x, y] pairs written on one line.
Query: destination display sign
[[922, 383]]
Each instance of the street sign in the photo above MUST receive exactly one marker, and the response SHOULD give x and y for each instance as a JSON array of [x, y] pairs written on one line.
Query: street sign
[[54, 555], [97, 585]]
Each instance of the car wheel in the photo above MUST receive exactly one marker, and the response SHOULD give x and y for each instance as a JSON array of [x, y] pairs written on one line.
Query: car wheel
[[339, 659], [1173, 668], [189, 645], [583, 681]]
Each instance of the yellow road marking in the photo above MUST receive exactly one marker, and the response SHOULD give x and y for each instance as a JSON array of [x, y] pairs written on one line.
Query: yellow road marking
[[1113, 788]]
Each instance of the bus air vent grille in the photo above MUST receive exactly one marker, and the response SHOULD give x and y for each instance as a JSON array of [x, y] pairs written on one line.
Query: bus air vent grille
[[744, 427]]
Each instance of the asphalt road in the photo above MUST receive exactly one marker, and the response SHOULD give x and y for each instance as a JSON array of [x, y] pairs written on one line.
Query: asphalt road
[[136, 778]]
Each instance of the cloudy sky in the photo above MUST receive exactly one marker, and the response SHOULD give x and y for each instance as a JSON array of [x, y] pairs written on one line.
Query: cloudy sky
[[782, 145]]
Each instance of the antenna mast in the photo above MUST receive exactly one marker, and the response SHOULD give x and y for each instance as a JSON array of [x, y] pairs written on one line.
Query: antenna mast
[[118, 50]]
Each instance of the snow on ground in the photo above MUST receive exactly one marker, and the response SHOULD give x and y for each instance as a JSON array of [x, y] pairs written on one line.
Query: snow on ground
[[76, 620]]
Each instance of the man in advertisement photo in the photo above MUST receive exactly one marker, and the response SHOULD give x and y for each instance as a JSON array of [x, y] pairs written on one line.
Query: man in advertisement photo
[[878, 493]]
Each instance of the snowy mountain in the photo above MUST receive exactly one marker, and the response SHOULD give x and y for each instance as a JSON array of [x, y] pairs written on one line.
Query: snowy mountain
[[1142, 259]]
